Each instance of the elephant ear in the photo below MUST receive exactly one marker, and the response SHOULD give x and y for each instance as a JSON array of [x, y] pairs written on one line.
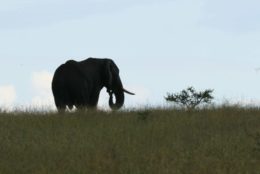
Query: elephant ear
[[111, 72], [108, 74]]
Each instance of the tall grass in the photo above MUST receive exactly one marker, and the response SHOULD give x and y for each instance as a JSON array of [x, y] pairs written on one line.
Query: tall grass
[[217, 141]]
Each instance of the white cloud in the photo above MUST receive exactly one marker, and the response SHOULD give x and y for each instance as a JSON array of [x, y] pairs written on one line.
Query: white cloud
[[41, 83], [103, 100], [7, 95]]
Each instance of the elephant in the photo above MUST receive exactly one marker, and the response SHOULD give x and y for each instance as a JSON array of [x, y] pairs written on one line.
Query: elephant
[[78, 83]]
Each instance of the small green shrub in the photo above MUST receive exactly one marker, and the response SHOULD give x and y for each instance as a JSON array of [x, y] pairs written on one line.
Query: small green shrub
[[190, 98]]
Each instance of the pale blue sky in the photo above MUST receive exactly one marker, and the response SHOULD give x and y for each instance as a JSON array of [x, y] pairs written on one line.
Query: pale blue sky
[[160, 46]]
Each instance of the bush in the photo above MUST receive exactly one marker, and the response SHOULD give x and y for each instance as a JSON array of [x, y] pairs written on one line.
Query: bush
[[190, 98]]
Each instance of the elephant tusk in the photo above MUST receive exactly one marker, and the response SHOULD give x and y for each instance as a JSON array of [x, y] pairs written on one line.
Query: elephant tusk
[[128, 92]]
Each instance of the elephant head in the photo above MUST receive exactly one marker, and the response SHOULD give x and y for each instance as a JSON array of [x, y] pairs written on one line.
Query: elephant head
[[114, 85]]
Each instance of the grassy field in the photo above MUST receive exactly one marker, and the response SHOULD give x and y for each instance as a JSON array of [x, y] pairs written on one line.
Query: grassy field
[[152, 141]]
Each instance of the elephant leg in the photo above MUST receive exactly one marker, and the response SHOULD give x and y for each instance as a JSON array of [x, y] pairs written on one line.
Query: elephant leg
[[70, 106], [61, 108], [81, 107], [94, 100], [60, 102]]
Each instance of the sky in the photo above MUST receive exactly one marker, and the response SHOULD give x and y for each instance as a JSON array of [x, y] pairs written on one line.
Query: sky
[[159, 46]]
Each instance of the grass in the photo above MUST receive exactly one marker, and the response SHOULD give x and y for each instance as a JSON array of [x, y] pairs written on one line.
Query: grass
[[217, 141]]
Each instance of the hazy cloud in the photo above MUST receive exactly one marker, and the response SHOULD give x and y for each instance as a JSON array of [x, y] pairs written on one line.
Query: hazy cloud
[[7, 95], [41, 83]]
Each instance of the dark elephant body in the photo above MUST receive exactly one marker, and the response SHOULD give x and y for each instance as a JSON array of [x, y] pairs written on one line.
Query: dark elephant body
[[79, 83]]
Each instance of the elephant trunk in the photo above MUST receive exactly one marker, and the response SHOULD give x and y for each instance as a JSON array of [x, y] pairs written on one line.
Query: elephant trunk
[[120, 97]]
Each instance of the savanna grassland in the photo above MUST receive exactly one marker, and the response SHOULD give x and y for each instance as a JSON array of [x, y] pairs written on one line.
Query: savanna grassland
[[222, 140]]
